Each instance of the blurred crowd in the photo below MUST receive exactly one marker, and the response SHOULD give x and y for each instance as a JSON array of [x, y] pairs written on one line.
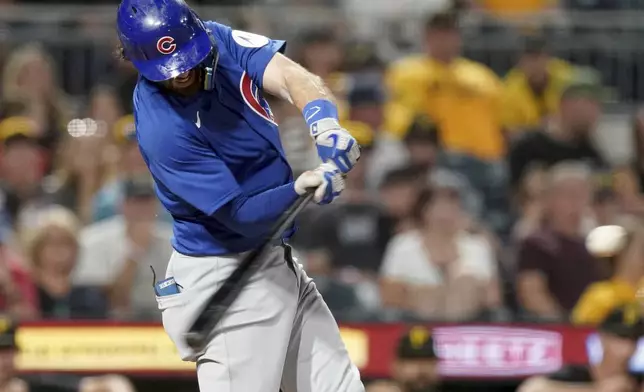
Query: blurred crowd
[[472, 201]]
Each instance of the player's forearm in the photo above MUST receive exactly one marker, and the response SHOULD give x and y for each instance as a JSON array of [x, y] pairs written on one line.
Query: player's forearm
[[287, 79], [304, 87], [246, 214]]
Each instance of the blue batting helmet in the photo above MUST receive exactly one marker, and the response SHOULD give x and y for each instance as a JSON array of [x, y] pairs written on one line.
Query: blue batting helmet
[[162, 38]]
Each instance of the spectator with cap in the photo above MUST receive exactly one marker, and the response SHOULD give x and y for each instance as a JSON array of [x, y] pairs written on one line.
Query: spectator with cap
[[567, 136], [366, 100], [554, 266], [117, 253], [440, 270], [416, 365], [533, 88], [463, 97], [608, 369], [22, 170], [52, 246]]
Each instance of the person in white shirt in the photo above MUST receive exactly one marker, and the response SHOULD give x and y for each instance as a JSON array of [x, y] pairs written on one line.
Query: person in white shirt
[[117, 253], [440, 270]]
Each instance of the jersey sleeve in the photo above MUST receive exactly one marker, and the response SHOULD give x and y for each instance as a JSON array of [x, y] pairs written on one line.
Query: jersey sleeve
[[192, 171], [251, 51]]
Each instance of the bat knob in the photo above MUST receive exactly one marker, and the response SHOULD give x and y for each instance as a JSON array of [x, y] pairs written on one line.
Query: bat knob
[[195, 340]]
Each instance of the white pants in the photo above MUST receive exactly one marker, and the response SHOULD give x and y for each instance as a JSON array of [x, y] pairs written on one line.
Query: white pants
[[279, 333]]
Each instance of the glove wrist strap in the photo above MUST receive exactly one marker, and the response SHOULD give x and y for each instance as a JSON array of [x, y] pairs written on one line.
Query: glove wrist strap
[[323, 125], [318, 110]]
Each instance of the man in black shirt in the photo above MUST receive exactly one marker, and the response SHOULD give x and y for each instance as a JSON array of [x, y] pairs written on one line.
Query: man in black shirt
[[566, 137], [618, 335]]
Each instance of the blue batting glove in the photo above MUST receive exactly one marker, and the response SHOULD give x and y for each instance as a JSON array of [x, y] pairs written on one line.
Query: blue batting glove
[[334, 144]]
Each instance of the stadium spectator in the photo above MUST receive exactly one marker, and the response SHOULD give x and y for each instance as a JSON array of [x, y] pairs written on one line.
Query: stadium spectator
[[29, 75], [52, 247], [9, 380], [21, 170], [629, 179], [440, 271], [18, 295], [416, 365], [553, 263], [104, 108], [117, 253], [383, 386], [341, 298], [623, 249], [528, 200], [366, 99], [398, 193], [83, 164], [520, 11], [460, 95], [421, 143], [533, 88], [130, 163], [107, 383], [608, 371], [607, 207], [566, 137]]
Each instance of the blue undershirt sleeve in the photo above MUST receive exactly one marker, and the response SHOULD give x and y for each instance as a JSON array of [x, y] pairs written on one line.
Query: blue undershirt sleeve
[[254, 215]]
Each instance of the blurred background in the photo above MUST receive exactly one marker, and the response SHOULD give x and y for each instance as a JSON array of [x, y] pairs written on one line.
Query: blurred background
[[497, 135]]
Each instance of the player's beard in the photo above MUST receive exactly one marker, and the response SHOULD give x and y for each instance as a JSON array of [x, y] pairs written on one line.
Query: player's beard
[[188, 83]]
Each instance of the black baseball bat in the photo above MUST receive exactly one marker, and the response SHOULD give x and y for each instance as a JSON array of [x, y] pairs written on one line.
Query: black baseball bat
[[214, 310]]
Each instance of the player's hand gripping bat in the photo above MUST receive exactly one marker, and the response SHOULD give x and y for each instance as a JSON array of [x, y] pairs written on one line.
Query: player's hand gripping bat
[[199, 333]]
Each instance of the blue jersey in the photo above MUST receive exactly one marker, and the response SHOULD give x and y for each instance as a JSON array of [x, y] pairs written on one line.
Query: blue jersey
[[206, 150]]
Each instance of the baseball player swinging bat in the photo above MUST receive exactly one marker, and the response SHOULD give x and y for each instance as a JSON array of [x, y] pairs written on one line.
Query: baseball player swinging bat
[[212, 146]]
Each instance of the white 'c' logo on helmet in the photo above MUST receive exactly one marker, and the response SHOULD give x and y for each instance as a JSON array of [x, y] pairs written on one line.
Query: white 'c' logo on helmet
[[166, 45]]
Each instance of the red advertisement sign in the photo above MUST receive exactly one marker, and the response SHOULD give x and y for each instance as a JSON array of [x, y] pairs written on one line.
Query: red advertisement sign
[[497, 351]]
